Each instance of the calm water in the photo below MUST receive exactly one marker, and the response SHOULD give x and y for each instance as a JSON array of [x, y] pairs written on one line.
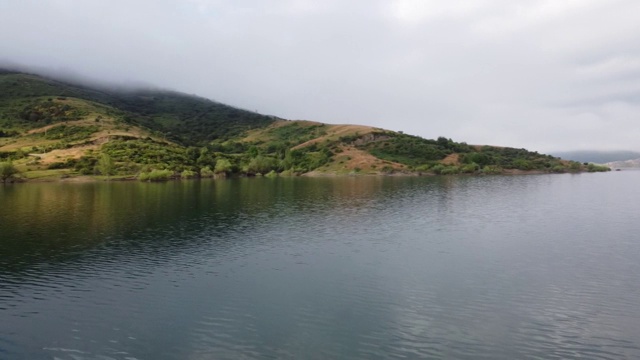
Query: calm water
[[521, 267]]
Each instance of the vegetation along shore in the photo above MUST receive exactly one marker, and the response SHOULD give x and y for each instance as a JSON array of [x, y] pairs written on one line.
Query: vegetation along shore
[[51, 129]]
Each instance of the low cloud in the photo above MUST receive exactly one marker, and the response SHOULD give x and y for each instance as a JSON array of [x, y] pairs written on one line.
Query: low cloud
[[543, 74]]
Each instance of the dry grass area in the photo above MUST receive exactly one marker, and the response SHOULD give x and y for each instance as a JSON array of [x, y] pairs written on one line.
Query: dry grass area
[[352, 160], [60, 155], [108, 128], [335, 132], [451, 159], [97, 140], [264, 133], [23, 142]]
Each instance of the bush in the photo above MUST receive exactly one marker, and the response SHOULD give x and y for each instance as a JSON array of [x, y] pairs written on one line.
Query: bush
[[575, 166], [437, 169], [7, 171], [261, 165], [450, 170], [597, 168], [289, 172], [206, 172], [387, 169], [188, 174], [223, 166], [156, 175], [470, 168], [57, 165], [491, 170]]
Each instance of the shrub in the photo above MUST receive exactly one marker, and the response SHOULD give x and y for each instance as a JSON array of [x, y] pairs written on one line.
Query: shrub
[[289, 172], [597, 168], [156, 175], [206, 172], [143, 176], [470, 168], [491, 170], [7, 171], [450, 170], [57, 165], [188, 174], [261, 165], [105, 165], [575, 166], [437, 169], [387, 169], [223, 166]]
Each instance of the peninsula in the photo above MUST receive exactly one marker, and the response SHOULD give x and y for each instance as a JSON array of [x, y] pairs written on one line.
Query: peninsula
[[52, 129]]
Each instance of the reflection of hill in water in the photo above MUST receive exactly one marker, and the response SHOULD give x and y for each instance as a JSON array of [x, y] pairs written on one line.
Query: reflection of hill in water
[[66, 222]]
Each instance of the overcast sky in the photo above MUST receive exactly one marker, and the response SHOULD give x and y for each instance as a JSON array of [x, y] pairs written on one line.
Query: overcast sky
[[542, 74]]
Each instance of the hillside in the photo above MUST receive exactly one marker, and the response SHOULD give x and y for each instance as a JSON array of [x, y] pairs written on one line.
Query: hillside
[[52, 128]]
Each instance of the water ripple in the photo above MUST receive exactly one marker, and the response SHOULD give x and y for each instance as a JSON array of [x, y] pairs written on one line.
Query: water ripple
[[358, 268]]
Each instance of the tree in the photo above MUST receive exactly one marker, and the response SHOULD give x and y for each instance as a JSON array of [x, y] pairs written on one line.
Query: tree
[[261, 165], [223, 166], [105, 165], [205, 158], [7, 171]]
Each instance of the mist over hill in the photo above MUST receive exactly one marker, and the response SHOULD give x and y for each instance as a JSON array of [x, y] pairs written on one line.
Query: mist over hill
[[54, 126]]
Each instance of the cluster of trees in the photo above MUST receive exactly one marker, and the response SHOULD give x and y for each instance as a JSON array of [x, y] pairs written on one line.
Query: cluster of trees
[[8, 133], [70, 132], [188, 120], [47, 112], [7, 171], [425, 155], [144, 156], [409, 150]]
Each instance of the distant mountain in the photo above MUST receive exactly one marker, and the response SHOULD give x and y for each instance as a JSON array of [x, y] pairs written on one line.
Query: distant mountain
[[598, 157], [626, 164], [50, 127]]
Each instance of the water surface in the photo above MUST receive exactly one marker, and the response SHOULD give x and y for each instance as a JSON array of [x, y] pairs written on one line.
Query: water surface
[[496, 267]]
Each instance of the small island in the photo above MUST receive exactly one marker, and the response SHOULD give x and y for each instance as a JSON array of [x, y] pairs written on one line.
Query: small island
[[52, 129]]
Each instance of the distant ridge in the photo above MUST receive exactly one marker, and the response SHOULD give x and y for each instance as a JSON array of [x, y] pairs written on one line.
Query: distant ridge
[[625, 164], [598, 157]]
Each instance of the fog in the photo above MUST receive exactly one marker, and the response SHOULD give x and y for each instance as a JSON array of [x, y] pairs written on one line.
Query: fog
[[545, 75]]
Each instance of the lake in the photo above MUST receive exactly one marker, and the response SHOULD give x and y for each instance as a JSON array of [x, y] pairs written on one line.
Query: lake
[[493, 267]]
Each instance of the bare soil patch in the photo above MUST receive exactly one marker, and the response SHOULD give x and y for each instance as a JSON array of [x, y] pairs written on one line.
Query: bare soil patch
[[451, 159]]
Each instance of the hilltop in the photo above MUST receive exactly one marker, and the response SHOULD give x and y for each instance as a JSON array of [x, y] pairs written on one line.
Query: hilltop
[[53, 128]]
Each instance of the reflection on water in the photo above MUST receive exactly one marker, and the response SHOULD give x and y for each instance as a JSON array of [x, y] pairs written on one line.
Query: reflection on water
[[355, 267]]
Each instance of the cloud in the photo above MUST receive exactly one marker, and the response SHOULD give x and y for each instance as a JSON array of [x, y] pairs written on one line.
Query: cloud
[[523, 74]]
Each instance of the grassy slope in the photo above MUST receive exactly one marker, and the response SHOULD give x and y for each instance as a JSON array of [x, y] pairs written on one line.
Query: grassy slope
[[185, 119], [51, 126]]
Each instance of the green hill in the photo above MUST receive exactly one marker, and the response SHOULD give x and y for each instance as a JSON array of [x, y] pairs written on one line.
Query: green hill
[[53, 128]]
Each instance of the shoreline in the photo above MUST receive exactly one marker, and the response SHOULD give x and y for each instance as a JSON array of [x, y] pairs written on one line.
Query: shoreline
[[312, 174]]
